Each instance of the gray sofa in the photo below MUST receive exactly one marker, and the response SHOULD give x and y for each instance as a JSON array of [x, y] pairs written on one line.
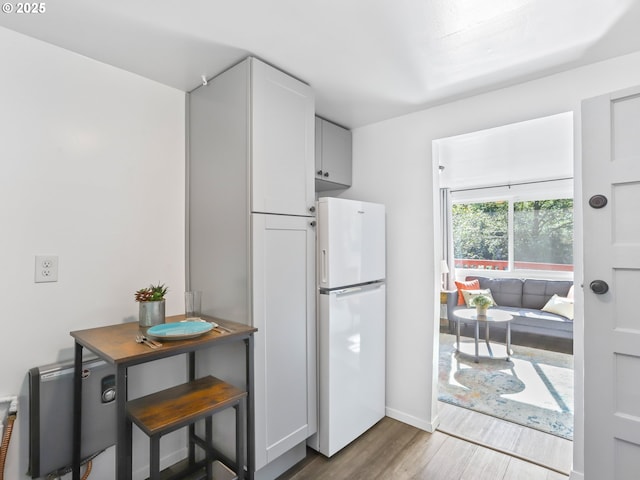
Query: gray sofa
[[523, 299]]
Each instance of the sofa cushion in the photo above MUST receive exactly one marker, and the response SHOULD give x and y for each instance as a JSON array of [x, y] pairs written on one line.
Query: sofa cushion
[[536, 293], [560, 306], [469, 295], [505, 291], [468, 285]]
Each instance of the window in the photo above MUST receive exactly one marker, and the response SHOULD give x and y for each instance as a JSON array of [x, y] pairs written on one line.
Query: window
[[543, 235], [514, 235], [481, 235]]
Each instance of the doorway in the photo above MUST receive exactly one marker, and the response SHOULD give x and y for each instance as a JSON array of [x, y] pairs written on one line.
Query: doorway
[[513, 163]]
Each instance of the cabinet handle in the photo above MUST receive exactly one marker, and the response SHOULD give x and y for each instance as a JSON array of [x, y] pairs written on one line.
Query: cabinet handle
[[326, 174], [312, 209], [312, 223], [319, 172]]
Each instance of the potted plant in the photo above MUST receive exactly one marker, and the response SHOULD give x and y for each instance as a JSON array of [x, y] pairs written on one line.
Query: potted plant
[[481, 302], [151, 300]]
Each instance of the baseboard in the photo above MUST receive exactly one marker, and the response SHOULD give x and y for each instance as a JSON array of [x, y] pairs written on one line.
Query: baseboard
[[283, 463], [413, 421], [576, 475], [165, 462]]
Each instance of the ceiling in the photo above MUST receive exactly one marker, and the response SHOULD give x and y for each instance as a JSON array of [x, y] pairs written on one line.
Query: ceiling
[[535, 150], [367, 60]]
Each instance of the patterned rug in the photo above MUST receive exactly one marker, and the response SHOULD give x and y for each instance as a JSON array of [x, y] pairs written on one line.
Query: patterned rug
[[534, 388]]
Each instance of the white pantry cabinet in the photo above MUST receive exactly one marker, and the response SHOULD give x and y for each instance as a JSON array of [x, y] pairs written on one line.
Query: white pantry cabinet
[[251, 242], [283, 285], [333, 157]]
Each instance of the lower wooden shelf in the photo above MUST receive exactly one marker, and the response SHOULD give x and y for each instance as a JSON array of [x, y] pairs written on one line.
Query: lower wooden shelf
[[176, 407], [168, 410]]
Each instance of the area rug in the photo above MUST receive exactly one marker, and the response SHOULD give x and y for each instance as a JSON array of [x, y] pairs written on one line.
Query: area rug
[[533, 388]]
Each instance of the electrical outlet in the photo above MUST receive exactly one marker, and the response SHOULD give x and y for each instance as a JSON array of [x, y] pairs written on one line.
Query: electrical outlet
[[46, 268]]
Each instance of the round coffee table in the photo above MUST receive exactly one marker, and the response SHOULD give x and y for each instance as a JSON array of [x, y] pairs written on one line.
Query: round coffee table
[[493, 315]]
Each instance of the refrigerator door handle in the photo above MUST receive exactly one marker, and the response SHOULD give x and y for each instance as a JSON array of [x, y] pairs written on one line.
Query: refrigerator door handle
[[348, 291], [323, 266], [352, 290]]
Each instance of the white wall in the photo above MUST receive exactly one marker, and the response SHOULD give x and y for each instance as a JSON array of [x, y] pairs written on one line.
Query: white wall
[[92, 170], [393, 165]]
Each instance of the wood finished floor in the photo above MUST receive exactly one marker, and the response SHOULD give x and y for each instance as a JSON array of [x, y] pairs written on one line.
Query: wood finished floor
[[397, 451]]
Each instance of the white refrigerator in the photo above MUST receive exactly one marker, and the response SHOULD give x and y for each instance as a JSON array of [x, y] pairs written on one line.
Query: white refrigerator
[[351, 321]]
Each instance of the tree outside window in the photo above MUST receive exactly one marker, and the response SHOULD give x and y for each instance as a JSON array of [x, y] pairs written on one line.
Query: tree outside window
[[542, 233]]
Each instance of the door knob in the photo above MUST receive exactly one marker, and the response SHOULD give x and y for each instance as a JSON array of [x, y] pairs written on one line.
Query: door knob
[[599, 287], [598, 201]]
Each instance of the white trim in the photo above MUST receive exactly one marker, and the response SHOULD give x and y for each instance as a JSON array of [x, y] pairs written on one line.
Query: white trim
[[576, 475], [461, 273], [545, 190], [413, 421]]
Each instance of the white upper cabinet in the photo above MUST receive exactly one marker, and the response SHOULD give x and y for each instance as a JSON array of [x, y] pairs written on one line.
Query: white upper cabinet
[[333, 156], [282, 133]]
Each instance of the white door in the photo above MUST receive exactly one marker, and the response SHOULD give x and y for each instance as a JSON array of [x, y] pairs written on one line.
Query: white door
[[351, 340], [611, 168], [283, 139], [351, 242], [285, 343]]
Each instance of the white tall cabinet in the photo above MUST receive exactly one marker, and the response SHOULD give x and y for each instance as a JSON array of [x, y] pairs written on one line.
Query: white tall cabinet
[[251, 237]]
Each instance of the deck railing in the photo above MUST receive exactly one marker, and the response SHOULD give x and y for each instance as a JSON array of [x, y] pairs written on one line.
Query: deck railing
[[504, 265]]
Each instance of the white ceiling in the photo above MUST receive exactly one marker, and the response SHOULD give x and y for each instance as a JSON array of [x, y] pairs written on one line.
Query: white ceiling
[[367, 60], [531, 151]]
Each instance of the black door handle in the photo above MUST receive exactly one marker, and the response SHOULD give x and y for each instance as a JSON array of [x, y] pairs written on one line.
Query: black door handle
[[599, 287]]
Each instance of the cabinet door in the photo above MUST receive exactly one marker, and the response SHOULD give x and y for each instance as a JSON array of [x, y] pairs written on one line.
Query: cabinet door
[[283, 137], [318, 155], [336, 154], [285, 345]]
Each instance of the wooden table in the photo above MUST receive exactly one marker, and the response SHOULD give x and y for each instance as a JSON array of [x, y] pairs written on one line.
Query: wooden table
[[116, 344], [493, 315]]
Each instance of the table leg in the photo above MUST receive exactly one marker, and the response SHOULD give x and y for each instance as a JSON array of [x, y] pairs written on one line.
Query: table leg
[[124, 455], [77, 412], [457, 335], [251, 430], [191, 449], [508, 340], [477, 338], [486, 339]]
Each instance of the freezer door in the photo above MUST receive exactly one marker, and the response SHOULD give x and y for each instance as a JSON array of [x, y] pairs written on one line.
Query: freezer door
[[352, 365], [351, 242]]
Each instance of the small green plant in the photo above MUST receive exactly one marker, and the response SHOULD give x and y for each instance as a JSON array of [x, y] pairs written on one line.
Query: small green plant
[[481, 301], [152, 293]]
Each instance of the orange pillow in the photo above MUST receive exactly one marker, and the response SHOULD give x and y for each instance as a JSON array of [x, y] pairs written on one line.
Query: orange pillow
[[470, 285]]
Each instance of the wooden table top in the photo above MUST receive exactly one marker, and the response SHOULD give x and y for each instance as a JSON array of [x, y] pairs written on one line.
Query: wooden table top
[[117, 343]]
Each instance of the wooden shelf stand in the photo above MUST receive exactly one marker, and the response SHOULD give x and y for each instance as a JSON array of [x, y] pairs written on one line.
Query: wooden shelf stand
[[163, 412]]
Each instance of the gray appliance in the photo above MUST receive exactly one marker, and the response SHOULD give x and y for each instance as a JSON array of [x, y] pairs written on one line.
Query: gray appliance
[[51, 414]]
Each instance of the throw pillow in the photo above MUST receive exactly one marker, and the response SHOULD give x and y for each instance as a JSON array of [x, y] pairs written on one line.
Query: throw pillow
[[560, 306], [470, 285], [469, 295]]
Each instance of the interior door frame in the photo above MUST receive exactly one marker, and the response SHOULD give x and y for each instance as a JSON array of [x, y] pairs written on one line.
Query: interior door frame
[[578, 274]]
